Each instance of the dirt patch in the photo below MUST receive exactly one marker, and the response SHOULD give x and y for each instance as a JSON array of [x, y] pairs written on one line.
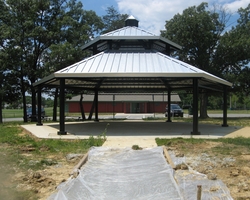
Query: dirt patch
[[227, 163], [44, 182], [219, 161]]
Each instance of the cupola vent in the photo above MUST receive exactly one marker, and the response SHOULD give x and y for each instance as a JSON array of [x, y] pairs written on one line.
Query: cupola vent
[[131, 21]]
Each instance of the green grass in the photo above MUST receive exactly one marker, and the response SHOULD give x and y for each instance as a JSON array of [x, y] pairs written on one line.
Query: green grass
[[175, 141], [241, 141], [241, 121], [221, 111], [10, 135], [238, 141], [18, 113], [12, 113], [154, 118]]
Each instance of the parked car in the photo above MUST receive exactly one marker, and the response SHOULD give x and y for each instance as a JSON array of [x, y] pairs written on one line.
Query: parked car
[[175, 111], [29, 112]]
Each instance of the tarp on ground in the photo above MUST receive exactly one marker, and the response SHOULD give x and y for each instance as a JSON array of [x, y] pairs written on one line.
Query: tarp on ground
[[122, 174]]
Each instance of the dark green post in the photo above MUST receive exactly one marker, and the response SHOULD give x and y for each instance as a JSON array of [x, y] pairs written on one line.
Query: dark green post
[[169, 106], [39, 107], [96, 106], [195, 107], [62, 110], [225, 107]]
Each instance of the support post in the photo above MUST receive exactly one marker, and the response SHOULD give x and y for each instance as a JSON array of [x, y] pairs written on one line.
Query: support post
[[113, 106], [96, 106], [168, 50], [169, 106], [225, 107], [195, 107], [62, 110], [153, 97], [81, 108], [39, 107]]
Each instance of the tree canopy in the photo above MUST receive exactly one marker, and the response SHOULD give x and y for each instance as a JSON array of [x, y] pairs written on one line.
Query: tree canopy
[[113, 20], [200, 30], [38, 38], [31, 29]]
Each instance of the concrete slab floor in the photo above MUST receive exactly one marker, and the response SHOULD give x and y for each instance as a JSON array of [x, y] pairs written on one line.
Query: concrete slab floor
[[134, 132]]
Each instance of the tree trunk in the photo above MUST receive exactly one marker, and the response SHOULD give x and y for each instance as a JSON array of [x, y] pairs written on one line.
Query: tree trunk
[[92, 109], [1, 111], [81, 107], [203, 105], [25, 119], [55, 106], [34, 106]]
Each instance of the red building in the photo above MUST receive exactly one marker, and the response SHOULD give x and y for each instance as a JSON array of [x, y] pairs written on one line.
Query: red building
[[123, 103]]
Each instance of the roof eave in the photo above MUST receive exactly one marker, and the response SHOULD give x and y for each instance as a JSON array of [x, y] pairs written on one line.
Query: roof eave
[[44, 80], [217, 80], [136, 74], [177, 46], [101, 38], [90, 43], [131, 74]]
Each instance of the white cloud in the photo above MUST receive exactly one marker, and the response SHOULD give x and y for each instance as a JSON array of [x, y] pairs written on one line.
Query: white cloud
[[235, 5], [152, 14]]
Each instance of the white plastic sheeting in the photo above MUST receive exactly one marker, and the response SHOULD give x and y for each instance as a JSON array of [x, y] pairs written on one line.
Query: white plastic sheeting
[[122, 174]]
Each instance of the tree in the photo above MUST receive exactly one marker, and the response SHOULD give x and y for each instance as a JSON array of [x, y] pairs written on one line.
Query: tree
[[234, 55], [9, 89], [81, 26], [198, 30], [113, 20], [242, 47], [32, 28]]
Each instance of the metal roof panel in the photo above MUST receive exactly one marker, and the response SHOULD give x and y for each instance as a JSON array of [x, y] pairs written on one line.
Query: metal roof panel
[[126, 62], [129, 31], [141, 64]]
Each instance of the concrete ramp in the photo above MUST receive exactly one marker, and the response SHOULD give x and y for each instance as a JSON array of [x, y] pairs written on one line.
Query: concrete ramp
[[123, 142]]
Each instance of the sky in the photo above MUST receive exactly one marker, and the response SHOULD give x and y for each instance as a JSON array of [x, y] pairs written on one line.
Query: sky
[[152, 14]]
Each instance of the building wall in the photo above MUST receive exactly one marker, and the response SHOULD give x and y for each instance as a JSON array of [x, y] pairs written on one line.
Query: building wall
[[110, 107], [156, 107], [119, 107], [103, 107]]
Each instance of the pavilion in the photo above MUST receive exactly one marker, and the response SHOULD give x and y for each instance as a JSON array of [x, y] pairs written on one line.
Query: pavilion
[[130, 60]]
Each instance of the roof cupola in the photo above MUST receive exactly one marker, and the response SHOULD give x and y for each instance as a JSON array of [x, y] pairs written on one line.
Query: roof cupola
[[131, 21]]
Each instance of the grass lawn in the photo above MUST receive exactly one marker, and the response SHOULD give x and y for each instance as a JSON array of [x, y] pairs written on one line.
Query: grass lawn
[[18, 113]]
